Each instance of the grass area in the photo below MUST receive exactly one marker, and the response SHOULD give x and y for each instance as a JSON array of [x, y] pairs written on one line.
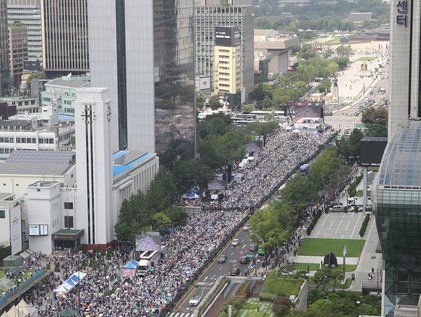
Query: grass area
[[315, 267], [275, 286], [366, 59], [334, 41], [321, 247], [1, 274], [250, 308]]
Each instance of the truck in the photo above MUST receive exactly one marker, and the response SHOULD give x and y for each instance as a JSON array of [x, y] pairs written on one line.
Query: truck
[[147, 262]]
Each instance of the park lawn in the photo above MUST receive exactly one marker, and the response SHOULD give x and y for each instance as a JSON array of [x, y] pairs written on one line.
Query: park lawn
[[334, 41], [366, 59], [321, 247], [1, 274], [275, 286], [315, 267]]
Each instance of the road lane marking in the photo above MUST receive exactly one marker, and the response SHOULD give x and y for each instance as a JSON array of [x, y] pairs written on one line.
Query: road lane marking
[[220, 268], [244, 246], [205, 278]]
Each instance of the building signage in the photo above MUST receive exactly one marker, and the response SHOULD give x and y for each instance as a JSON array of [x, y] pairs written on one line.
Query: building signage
[[15, 230], [227, 36], [402, 12], [38, 230]]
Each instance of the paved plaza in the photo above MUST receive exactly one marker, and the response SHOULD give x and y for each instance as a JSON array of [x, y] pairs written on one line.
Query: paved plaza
[[339, 225]]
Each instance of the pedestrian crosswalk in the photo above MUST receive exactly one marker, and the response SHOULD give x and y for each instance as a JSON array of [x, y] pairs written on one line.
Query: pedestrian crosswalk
[[179, 314]]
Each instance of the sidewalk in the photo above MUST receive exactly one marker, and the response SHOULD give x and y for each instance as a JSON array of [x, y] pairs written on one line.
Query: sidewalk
[[318, 259]]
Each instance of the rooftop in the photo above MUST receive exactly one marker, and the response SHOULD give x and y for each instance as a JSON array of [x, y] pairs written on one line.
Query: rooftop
[[6, 196], [124, 161], [44, 184], [400, 165], [37, 163], [70, 82]]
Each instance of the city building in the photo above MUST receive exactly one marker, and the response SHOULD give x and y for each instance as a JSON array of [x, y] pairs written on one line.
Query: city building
[[11, 222], [18, 51], [228, 65], [143, 52], [273, 46], [22, 104], [405, 68], [18, 134], [61, 92], [397, 191], [359, 18], [212, 14], [64, 26], [28, 12], [4, 51]]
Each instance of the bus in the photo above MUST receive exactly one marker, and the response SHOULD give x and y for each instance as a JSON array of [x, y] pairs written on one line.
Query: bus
[[148, 261]]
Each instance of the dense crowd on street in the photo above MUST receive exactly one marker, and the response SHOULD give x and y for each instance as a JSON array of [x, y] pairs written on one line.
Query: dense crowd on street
[[272, 165], [105, 291]]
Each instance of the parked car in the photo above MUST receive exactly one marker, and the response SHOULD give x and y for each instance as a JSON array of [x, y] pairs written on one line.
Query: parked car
[[235, 243], [253, 247], [195, 300], [337, 208], [244, 260], [222, 258], [235, 271]]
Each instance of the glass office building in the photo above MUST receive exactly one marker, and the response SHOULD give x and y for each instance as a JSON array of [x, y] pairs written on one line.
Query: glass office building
[[398, 215], [4, 60], [173, 73]]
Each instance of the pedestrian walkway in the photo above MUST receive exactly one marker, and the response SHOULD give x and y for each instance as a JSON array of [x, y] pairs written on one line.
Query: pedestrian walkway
[[318, 259]]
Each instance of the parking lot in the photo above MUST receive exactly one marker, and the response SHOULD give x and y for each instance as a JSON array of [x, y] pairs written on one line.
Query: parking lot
[[340, 225]]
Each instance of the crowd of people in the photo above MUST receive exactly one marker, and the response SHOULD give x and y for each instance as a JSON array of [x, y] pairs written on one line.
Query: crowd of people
[[271, 166], [105, 291]]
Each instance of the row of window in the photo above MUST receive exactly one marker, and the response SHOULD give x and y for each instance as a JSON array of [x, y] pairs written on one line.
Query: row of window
[[27, 140]]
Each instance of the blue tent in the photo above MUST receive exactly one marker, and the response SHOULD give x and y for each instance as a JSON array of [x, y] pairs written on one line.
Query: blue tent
[[131, 265], [190, 195]]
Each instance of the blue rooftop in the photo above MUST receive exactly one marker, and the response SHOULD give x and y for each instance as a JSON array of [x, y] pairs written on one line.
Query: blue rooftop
[[124, 161]]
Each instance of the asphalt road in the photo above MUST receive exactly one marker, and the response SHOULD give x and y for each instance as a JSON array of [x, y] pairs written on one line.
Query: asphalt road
[[214, 271]]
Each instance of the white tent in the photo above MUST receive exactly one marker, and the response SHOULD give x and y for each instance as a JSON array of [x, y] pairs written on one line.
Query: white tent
[[70, 283], [25, 310]]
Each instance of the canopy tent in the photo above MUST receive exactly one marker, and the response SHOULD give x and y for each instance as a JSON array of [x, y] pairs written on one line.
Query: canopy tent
[[25, 309], [70, 283], [190, 195], [216, 185], [129, 269], [304, 167], [148, 243], [296, 131]]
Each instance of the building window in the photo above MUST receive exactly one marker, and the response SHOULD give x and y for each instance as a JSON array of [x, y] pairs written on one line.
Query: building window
[[68, 221], [68, 205], [2, 214]]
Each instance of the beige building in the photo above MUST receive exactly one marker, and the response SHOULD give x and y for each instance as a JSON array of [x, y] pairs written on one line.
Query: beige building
[[64, 25], [18, 51], [228, 70]]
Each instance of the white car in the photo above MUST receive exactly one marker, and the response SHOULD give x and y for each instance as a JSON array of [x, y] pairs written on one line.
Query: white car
[[235, 243], [246, 228], [194, 301]]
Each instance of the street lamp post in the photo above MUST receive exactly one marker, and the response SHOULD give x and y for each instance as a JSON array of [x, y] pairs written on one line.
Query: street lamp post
[[343, 264]]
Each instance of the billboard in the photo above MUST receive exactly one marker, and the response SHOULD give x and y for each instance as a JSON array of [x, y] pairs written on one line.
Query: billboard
[[372, 150], [38, 230], [204, 83], [227, 36], [15, 230]]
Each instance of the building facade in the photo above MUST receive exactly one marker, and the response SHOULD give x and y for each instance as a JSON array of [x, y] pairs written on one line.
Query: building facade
[[228, 65], [18, 51], [65, 45], [143, 52], [405, 98], [4, 52], [221, 13], [22, 104], [28, 12], [61, 93], [397, 191]]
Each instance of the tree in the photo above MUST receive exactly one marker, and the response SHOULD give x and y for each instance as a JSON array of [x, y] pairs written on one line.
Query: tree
[[376, 130], [161, 221], [374, 115], [178, 216], [161, 194], [344, 51], [214, 102], [188, 173], [200, 101], [307, 51], [248, 107]]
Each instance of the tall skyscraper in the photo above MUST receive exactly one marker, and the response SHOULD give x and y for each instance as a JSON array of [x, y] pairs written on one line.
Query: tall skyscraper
[[143, 52], [216, 13], [397, 190], [64, 37], [18, 51], [4, 61], [28, 12], [405, 70]]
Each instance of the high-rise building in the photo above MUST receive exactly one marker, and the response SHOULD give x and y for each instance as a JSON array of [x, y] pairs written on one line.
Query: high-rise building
[[397, 191], [228, 64], [28, 12], [213, 13], [143, 52], [405, 67], [64, 37], [18, 51], [4, 52]]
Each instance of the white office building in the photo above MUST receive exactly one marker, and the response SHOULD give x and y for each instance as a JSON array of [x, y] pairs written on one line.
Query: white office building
[[405, 58], [121, 52]]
